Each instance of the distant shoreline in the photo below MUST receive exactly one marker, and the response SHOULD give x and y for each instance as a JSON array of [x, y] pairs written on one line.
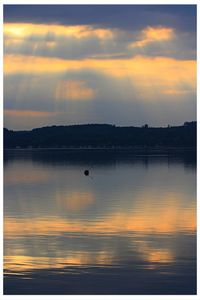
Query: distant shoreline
[[105, 149], [105, 137]]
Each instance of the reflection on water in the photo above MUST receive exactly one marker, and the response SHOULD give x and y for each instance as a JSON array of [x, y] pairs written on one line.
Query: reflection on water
[[128, 229]]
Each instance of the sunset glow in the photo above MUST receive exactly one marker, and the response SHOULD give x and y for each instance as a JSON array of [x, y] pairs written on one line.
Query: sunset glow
[[152, 62], [99, 105]]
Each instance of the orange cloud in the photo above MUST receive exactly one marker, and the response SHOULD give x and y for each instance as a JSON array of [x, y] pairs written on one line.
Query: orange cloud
[[177, 91], [28, 113], [153, 34], [73, 90], [22, 31], [161, 73], [34, 64]]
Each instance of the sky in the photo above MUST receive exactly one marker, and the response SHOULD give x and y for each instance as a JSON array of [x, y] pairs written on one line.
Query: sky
[[126, 65]]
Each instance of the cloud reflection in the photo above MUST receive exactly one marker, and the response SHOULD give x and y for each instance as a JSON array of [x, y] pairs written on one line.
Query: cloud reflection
[[142, 219], [131, 215], [22, 263], [75, 201]]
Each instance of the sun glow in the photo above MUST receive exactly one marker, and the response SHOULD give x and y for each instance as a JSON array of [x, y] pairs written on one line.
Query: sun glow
[[52, 31]]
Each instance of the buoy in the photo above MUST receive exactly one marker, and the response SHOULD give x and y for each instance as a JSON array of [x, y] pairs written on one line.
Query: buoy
[[86, 172]]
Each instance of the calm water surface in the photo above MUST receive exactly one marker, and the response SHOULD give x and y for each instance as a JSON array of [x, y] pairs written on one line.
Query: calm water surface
[[128, 228]]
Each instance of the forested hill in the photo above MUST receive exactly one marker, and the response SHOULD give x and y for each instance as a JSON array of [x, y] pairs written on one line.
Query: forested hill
[[102, 135]]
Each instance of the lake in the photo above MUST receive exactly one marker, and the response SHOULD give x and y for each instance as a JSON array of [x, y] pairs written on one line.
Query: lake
[[127, 228]]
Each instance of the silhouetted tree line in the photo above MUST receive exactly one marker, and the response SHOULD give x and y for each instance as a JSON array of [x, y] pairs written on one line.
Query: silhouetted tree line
[[102, 135]]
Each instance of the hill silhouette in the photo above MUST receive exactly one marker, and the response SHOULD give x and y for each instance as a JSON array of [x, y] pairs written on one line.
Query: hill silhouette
[[102, 136]]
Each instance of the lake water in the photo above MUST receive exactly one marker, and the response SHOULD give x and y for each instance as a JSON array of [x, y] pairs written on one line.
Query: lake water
[[127, 228]]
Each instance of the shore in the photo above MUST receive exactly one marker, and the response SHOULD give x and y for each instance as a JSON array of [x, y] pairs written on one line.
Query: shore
[[139, 149]]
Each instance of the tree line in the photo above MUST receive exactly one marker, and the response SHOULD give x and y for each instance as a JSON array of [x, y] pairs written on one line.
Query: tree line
[[102, 135]]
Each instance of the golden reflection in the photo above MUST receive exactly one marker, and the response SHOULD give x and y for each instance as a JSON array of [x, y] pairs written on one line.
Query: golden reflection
[[174, 216], [75, 200], [24, 177], [73, 90], [19, 263], [142, 220], [160, 255], [166, 220], [154, 256]]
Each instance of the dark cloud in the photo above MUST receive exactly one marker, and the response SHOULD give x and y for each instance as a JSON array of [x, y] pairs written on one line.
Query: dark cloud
[[129, 17]]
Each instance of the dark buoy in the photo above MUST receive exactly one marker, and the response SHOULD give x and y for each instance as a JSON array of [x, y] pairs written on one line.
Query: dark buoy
[[86, 172]]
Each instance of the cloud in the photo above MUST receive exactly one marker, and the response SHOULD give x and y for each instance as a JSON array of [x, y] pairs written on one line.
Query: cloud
[[49, 31], [28, 113], [78, 42], [148, 74], [135, 72], [18, 117], [153, 34], [126, 17], [57, 40]]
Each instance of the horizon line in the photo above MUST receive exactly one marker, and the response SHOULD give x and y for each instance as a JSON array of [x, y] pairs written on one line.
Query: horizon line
[[103, 124]]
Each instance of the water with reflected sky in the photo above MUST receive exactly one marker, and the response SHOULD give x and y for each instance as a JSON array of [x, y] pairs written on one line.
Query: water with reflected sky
[[128, 228]]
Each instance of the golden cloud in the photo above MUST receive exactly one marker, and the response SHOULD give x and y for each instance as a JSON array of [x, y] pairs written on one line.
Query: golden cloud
[[22, 31], [163, 74], [28, 113], [178, 91], [153, 34]]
